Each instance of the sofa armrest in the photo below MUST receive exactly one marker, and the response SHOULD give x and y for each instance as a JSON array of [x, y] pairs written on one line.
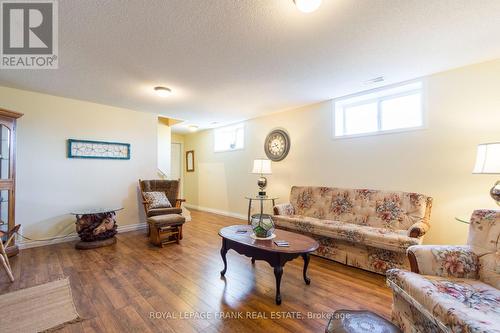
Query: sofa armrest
[[284, 209], [444, 261], [418, 229]]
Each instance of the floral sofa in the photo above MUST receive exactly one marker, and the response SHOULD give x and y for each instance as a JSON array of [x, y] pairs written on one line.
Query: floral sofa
[[369, 229], [452, 288]]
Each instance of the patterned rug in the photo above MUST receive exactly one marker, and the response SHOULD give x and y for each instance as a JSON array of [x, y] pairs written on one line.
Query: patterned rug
[[44, 308]]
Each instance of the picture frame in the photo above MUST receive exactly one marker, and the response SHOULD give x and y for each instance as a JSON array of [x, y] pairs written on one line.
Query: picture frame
[[190, 161], [98, 149]]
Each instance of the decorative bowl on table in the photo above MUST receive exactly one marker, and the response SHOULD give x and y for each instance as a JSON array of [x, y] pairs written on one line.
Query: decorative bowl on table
[[262, 225]]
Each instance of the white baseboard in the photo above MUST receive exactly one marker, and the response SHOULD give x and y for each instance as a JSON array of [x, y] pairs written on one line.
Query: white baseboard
[[124, 228], [217, 211], [70, 238], [28, 244]]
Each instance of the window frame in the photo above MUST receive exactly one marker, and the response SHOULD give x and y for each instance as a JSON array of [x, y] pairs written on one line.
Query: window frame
[[379, 101], [237, 125]]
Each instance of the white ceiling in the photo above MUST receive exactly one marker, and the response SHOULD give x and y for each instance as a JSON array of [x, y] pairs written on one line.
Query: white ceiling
[[228, 60]]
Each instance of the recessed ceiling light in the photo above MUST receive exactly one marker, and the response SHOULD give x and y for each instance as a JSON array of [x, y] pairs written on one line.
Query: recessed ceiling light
[[193, 128], [307, 6], [162, 91]]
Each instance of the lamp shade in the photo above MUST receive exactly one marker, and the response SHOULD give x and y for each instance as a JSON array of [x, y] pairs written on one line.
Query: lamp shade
[[488, 158], [262, 167]]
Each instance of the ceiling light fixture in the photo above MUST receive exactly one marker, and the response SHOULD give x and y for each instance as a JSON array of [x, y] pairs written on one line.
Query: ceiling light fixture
[[163, 91], [193, 128], [307, 6]]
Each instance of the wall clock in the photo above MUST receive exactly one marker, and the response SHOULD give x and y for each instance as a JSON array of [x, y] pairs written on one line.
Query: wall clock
[[277, 145]]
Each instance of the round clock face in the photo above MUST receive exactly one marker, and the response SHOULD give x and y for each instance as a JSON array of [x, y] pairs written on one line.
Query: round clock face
[[277, 145]]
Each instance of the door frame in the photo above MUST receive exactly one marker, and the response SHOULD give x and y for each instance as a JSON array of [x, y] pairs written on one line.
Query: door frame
[[181, 166]]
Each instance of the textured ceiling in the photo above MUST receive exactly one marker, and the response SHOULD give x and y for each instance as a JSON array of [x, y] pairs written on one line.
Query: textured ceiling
[[228, 60]]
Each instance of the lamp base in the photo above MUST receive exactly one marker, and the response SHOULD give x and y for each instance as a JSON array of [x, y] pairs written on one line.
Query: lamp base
[[262, 183]]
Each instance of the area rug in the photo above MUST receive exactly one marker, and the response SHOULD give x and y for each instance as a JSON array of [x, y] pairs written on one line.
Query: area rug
[[44, 308]]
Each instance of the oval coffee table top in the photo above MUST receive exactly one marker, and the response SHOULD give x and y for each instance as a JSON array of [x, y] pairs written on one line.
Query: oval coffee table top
[[298, 243]]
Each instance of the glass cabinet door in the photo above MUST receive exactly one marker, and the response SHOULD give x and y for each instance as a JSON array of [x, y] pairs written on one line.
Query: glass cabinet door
[[4, 152]]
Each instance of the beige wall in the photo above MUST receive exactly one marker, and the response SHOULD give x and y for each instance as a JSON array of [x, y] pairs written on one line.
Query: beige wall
[[463, 110], [164, 148], [50, 186]]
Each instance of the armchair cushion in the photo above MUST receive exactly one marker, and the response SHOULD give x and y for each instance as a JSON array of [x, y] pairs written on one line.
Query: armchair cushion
[[157, 200], [462, 305], [164, 211], [284, 209], [444, 261]]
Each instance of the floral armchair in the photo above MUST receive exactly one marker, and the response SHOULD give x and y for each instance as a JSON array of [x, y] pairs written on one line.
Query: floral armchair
[[452, 288]]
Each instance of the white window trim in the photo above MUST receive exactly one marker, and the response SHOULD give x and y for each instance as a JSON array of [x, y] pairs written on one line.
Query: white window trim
[[379, 99], [229, 150]]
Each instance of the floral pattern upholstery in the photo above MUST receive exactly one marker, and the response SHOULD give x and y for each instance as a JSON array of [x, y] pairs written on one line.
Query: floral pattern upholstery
[[419, 229], [446, 261], [452, 288], [379, 209], [364, 228], [456, 305], [394, 240], [284, 209]]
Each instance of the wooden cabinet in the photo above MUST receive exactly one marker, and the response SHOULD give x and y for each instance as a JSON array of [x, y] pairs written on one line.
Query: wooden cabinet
[[8, 173]]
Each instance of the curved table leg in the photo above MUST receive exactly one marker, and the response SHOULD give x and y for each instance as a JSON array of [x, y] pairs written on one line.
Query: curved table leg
[[306, 263], [278, 271], [223, 252]]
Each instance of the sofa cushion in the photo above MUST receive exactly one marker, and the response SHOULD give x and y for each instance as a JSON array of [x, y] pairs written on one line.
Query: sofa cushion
[[463, 305], [380, 209], [376, 237]]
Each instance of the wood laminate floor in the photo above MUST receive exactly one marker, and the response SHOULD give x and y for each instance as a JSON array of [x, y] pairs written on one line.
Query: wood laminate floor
[[135, 287]]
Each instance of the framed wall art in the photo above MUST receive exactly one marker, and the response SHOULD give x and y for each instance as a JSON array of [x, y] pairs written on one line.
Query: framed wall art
[[190, 161], [98, 149]]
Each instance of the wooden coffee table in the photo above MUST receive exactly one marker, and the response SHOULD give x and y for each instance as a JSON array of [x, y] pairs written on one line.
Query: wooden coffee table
[[277, 257]]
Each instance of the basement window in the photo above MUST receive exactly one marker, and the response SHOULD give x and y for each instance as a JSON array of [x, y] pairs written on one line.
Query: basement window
[[229, 138], [385, 110]]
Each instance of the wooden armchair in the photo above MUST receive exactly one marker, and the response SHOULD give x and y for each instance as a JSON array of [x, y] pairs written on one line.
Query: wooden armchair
[[171, 190], [164, 224], [4, 259]]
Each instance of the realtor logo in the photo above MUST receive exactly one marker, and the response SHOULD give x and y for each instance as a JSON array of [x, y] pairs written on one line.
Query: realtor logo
[[29, 34]]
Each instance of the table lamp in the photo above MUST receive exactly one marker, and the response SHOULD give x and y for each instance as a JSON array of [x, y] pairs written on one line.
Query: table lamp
[[488, 162], [262, 167]]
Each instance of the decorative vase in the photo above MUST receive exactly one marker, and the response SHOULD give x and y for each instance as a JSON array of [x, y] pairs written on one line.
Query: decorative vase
[[262, 225]]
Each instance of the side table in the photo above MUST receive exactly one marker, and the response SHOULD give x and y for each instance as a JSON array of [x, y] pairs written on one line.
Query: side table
[[251, 198], [96, 227]]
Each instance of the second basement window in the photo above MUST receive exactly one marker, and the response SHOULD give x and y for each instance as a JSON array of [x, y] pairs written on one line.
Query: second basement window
[[229, 138], [385, 110]]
